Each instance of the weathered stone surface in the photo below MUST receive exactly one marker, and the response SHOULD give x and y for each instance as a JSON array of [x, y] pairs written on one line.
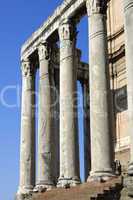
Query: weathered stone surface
[[124, 195], [128, 184], [69, 172], [101, 163], [45, 179], [66, 10], [99, 87], [87, 191], [128, 18], [27, 146]]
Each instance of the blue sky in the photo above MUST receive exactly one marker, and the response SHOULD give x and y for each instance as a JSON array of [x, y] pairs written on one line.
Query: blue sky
[[18, 19]]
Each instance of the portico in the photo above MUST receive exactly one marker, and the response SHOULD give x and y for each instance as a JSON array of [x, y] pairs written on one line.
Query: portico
[[60, 67]]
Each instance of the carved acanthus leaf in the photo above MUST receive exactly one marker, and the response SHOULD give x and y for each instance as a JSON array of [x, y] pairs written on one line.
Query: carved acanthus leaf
[[27, 68], [44, 51], [96, 6], [67, 30]]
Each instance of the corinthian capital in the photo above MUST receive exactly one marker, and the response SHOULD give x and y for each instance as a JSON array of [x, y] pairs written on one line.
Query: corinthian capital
[[96, 6], [44, 50], [67, 30], [27, 68]]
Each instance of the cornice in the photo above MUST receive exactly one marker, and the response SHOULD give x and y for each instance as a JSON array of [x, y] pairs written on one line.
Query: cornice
[[65, 10], [119, 52], [119, 32]]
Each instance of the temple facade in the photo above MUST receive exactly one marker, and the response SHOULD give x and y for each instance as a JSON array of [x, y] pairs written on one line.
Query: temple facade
[[107, 84]]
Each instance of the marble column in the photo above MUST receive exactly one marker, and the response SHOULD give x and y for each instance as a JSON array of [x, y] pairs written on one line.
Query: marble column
[[69, 173], [45, 179], [27, 146], [128, 23], [101, 163]]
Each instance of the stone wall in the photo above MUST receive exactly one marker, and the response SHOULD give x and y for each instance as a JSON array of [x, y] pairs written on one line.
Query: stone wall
[[116, 46]]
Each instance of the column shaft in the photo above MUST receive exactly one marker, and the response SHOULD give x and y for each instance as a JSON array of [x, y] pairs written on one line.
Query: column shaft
[[27, 152], [44, 131], [56, 125], [69, 173], [101, 164], [87, 148], [54, 79], [128, 18]]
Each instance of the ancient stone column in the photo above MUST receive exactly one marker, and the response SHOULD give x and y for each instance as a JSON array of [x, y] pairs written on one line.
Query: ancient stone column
[[69, 174], [128, 22], [45, 180], [101, 163], [27, 146]]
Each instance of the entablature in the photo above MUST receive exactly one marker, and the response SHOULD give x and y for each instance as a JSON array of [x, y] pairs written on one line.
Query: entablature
[[68, 9]]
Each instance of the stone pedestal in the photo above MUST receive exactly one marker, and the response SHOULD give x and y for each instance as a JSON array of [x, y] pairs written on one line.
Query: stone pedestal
[[27, 146], [45, 179], [69, 173], [128, 21], [101, 163]]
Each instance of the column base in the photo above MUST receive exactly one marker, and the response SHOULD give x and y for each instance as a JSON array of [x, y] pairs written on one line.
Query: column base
[[24, 193], [100, 176], [44, 186], [68, 182], [25, 190], [23, 196]]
